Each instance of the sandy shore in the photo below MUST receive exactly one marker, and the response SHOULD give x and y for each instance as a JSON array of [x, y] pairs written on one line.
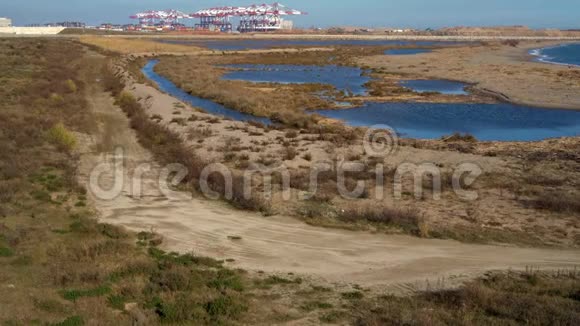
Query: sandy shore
[[509, 72]]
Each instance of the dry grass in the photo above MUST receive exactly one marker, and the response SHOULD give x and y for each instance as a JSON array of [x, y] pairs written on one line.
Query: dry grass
[[408, 219], [132, 45], [61, 266], [58, 265], [285, 103], [531, 298], [559, 201]]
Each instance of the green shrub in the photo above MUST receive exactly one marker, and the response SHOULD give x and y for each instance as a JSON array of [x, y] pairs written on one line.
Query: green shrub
[[226, 279], [181, 309], [62, 138], [41, 195], [71, 85]]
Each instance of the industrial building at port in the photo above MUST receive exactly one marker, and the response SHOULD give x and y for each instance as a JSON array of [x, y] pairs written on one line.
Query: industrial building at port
[[5, 22], [254, 18], [228, 19]]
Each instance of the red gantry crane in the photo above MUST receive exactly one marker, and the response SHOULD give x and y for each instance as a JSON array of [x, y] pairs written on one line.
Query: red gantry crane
[[160, 18], [254, 18]]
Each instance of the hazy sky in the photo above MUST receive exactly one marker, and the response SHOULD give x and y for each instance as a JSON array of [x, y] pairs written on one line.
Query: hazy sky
[[371, 13]]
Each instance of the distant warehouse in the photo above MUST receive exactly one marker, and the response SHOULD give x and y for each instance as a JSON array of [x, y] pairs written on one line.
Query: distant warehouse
[[5, 22]]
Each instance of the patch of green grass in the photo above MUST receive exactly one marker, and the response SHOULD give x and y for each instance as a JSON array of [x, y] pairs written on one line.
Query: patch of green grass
[[6, 252], [41, 195], [226, 279], [224, 306], [74, 295], [117, 302], [50, 305]]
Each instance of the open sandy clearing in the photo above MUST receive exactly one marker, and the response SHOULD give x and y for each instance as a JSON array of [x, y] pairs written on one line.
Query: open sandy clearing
[[282, 244]]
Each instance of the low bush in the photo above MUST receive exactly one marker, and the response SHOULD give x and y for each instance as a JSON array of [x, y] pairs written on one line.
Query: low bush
[[558, 201], [512, 43], [6, 252], [459, 137], [406, 218], [498, 299], [290, 153], [62, 138]]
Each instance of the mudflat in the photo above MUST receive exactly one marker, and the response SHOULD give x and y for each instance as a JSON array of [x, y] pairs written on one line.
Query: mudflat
[[509, 72]]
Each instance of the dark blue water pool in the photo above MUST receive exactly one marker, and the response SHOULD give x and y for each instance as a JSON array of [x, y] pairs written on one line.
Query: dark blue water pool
[[348, 79], [239, 45], [565, 54], [406, 51], [500, 122], [168, 87], [439, 86]]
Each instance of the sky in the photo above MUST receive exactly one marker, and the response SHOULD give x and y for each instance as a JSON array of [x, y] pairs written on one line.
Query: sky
[[322, 13]]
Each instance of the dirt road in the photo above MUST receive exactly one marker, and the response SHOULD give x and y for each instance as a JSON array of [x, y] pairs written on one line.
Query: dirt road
[[283, 244]]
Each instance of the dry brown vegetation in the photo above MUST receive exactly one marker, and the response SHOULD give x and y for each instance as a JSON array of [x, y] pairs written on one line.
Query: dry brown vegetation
[[59, 266], [133, 45], [531, 298], [286, 103]]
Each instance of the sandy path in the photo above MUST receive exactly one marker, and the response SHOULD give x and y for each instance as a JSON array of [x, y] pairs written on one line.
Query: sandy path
[[283, 244]]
